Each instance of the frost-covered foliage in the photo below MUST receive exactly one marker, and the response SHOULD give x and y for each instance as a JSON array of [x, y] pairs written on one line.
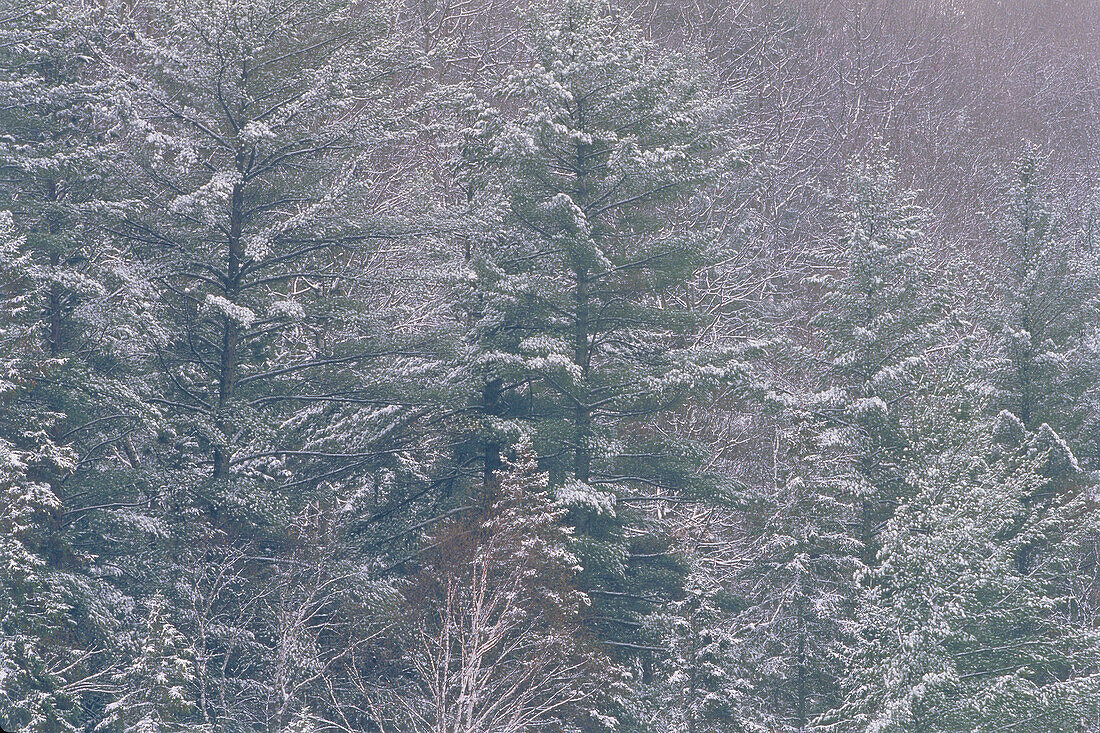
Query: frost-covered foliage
[[158, 684], [473, 366], [576, 163], [962, 621], [496, 640], [882, 322], [35, 605], [1046, 338], [248, 127], [704, 687], [802, 577], [59, 369]]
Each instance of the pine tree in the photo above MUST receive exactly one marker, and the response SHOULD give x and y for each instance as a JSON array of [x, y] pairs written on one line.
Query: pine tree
[[64, 410], [250, 139], [802, 580], [702, 686], [957, 634], [67, 283], [55, 116], [1047, 303], [157, 685], [35, 607], [249, 128], [882, 321], [566, 290]]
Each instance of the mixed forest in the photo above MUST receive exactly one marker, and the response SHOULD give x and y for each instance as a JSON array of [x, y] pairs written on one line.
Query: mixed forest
[[590, 366]]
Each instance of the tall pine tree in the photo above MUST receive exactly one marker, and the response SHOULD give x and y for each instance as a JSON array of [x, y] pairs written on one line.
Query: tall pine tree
[[69, 394], [575, 166], [881, 321], [1046, 352]]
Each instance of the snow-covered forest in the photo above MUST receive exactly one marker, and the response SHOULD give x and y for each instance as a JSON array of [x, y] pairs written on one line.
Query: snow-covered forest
[[592, 366]]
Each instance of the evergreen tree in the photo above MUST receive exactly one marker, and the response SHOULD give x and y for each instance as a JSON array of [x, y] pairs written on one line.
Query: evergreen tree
[[702, 687], [882, 321], [35, 607], [249, 124], [1046, 354], [566, 289], [157, 685], [803, 590], [283, 286], [56, 119], [957, 634], [251, 133], [65, 408]]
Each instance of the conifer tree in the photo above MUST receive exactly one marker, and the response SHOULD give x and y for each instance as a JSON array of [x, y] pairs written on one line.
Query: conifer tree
[[368, 365], [35, 607], [882, 321], [65, 407], [248, 127], [702, 687], [252, 130], [956, 633], [1048, 303], [802, 581], [573, 166], [157, 686]]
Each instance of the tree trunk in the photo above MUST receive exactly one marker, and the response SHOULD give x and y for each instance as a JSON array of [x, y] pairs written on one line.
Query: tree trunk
[[227, 373]]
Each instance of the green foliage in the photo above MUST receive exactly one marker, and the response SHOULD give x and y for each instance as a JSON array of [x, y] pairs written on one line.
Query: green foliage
[[882, 322], [701, 687], [963, 623], [1045, 351], [573, 165], [438, 367], [802, 578], [36, 611], [157, 685]]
